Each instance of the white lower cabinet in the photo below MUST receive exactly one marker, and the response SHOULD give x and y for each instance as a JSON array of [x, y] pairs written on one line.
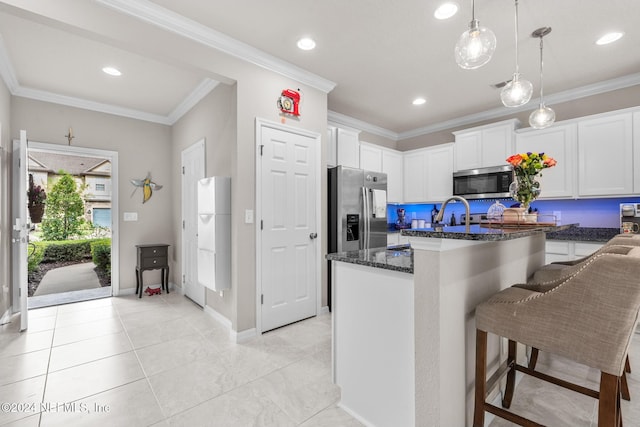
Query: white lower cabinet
[[560, 250]]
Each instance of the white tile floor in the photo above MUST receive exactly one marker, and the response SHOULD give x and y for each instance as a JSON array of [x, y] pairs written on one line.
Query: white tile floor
[[161, 361]]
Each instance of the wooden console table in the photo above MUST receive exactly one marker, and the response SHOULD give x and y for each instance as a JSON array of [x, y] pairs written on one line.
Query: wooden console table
[[152, 257]]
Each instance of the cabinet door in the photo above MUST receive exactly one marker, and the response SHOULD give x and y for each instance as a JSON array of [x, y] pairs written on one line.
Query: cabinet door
[[468, 150], [558, 142], [332, 154], [636, 152], [605, 149], [497, 145], [392, 166], [370, 158], [414, 177], [348, 148], [439, 170]]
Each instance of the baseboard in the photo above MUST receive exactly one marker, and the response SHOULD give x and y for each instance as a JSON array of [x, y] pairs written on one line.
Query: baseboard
[[354, 415], [6, 317], [324, 310], [132, 291], [234, 336]]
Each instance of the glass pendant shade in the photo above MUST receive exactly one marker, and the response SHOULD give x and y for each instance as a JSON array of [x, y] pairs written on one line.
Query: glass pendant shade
[[475, 46], [542, 117], [517, 92]]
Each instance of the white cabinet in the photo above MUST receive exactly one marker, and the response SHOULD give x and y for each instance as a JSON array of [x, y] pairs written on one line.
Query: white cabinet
[[484, 146], [559, 250], [605, 155], [428, 174], [332, 147], [370, 157], [415, 189], [559, 142], [348, 148], [636, 152], [439, 170], [392, 166]]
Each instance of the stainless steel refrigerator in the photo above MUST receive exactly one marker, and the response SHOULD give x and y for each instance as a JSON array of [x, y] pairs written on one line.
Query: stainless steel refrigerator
[[357, 211]]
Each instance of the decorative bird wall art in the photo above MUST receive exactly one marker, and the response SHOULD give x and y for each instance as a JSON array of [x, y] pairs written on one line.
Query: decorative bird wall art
[[147, 185]]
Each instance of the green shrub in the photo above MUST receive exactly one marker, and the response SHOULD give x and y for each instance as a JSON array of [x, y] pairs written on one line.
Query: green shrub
[[67, 250], [101, 254], [36, 253]]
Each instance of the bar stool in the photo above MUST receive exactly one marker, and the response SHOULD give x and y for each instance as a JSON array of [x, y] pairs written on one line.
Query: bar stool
[[602, 298]]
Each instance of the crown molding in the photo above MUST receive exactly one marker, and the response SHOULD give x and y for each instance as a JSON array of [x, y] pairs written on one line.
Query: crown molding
[[6, 69], [202, 90], [159, 16], [356, 124]]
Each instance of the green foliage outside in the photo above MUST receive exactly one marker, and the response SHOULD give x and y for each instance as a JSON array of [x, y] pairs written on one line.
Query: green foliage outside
[[63, 216], [101, 254], [71, 250]]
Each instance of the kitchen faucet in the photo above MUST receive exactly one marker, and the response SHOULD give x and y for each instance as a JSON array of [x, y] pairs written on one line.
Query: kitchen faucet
[[440, 215]]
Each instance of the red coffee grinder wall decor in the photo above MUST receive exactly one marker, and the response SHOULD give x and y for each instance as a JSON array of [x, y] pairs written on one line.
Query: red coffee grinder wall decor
[[289, 102]]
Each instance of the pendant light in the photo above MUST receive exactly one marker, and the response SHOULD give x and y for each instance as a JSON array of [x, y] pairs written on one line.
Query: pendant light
[[544, 116], [518, 91], [476, 45]]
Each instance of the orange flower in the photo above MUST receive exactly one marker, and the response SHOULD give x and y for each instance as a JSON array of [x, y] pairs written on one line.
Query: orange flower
[[515, 160], [549, 162]]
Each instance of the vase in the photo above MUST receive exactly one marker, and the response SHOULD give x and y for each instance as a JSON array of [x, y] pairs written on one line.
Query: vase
[[36, 212], [524, 189]]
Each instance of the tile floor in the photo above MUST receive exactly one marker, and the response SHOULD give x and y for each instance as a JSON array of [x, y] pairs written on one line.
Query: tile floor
[[161, 361]]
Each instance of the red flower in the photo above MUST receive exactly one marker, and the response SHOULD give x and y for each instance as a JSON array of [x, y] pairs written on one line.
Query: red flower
[[515, 160]]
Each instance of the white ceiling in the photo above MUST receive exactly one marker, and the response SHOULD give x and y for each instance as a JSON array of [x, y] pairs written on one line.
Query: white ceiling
[[380, 54]]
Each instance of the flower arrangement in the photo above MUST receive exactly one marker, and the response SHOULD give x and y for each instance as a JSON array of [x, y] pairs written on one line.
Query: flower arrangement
[[35, 194], [526, 166]]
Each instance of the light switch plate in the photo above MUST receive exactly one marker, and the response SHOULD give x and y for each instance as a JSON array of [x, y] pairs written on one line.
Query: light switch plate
[[248, 216], [130, 216]]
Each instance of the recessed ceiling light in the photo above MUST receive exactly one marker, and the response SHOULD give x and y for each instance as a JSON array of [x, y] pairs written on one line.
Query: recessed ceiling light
[[609, 38], [446, 10], [306, 43], [419, 101], [112, 71]]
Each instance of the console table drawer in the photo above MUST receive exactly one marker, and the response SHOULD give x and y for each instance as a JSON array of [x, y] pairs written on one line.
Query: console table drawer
[[156, 251], [153, 262]]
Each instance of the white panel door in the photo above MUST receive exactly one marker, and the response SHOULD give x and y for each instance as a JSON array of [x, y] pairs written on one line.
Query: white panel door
[[288, 267], [192, 171], [20, 227]]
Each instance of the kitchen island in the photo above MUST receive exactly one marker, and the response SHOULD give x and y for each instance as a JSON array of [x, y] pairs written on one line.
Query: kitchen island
[[403, 320]]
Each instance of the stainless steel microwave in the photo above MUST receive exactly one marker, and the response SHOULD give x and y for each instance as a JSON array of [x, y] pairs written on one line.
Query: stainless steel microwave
[[483, 183]]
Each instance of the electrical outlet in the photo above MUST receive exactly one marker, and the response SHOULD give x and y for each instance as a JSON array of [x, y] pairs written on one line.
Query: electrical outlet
[[130, 216], [558, 216]]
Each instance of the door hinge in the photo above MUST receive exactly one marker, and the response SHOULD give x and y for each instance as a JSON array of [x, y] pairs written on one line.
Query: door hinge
[[183, 170], [261, 149], [261, 225], [261, 298], [183, 224], [183, 279]]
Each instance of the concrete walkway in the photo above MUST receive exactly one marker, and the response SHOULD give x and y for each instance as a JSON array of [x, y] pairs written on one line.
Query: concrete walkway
[[74, 277]]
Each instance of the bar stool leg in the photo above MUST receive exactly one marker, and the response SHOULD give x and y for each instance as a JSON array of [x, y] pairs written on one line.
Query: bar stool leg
[[609, 401], [624, 387], [511, 375], [533, 359], [481, 378]]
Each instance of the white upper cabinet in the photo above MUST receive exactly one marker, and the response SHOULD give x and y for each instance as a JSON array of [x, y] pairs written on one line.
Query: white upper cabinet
[[559, 142], [439, 164], [636, 152], [392, 166], [370, 157], [348, 148], [605, 155], [484, 146], [415, 189], [428, 174], [332, 147]]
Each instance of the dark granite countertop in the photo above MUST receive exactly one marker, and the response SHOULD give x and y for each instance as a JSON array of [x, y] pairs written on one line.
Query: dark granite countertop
[[584, 234], [399, 258], [484, 233]]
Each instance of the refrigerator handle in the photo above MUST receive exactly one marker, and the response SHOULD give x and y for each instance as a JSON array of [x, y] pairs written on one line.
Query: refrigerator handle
[[366, 217]]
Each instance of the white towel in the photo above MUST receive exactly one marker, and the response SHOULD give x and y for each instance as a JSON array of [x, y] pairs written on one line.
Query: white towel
[[379, 203]]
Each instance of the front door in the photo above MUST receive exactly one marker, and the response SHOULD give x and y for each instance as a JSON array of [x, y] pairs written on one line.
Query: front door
[[192, 171], [20, 227], [288, 206]]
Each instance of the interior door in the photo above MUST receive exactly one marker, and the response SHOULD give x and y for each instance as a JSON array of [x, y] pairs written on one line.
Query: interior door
[[20, 227], [288, 270], [192, 171]]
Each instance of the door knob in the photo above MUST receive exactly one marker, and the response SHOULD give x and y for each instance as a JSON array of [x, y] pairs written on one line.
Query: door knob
[[313, 236]]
